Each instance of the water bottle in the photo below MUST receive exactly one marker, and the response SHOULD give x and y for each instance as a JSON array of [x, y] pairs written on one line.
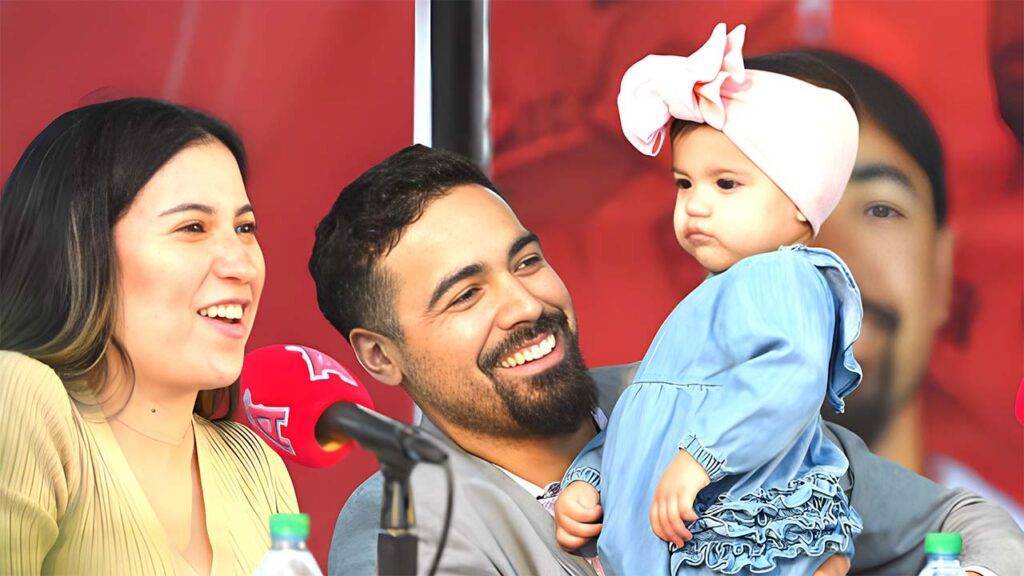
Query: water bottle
[[288, 555], [942, 550]]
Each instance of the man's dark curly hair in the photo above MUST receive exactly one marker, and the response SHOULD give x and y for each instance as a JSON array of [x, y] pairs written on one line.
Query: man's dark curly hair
[[365, 224]]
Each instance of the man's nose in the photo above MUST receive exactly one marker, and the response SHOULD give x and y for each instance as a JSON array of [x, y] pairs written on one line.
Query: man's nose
[[518, 305]]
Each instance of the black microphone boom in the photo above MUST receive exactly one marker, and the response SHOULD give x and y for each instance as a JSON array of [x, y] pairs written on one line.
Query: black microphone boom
[[398, 447], [391, 440]]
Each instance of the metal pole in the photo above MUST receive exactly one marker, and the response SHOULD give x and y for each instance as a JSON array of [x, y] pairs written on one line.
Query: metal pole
[[460, 95], [421, 100]]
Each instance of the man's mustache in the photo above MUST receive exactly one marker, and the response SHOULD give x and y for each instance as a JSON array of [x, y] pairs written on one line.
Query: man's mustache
[[870, 409], [887, 318], [550, 321]]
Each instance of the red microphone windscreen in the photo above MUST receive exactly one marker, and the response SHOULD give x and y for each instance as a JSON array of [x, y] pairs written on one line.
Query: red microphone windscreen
[[285, 389]]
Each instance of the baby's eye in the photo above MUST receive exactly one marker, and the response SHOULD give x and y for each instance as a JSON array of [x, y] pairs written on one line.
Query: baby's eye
[[726, 184], [683, 184]]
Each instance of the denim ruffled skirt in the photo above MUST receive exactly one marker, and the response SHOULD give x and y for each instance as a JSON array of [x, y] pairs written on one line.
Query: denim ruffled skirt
[[736, 377]]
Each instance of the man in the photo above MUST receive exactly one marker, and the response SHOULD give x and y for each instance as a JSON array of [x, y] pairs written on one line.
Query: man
[[438, 287], [891, 228]]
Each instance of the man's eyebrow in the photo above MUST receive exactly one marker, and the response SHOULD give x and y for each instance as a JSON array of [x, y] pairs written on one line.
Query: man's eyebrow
[[452, 279], [879, 171], [522, 242]]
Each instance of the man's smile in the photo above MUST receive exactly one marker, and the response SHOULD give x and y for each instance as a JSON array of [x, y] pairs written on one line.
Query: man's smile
[[534, 350], [536, 356]]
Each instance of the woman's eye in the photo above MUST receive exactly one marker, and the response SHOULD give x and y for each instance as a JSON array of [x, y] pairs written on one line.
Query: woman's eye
[[247, 228], [683, 184], [193, 228], [883, 211], [726, 184]]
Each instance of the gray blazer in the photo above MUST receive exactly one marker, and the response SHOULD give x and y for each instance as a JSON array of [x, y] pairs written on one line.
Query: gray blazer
[[498, 528]]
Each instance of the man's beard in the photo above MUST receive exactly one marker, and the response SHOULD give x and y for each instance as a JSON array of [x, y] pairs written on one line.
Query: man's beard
[[870, 407], [552, 403]]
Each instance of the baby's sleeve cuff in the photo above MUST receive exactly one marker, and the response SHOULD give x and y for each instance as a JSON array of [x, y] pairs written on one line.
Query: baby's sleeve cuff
[[586, 474], [712, 464]]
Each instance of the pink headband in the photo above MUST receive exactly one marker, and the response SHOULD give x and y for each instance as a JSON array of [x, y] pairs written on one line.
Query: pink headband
[[802, 137]]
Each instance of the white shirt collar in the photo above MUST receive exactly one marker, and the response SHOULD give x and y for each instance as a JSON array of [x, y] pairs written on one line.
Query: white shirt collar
[[600, 420]]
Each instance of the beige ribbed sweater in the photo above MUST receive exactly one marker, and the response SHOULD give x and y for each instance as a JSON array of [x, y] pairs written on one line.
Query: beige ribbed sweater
[[70, 504]]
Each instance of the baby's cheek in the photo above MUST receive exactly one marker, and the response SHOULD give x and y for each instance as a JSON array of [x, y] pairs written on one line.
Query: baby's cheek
[[679, 224]]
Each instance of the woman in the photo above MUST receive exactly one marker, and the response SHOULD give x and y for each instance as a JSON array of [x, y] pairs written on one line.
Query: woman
[[129, 281]]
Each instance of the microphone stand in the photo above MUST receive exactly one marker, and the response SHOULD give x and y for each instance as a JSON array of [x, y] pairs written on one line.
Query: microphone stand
[[397, 541], [398, 447]]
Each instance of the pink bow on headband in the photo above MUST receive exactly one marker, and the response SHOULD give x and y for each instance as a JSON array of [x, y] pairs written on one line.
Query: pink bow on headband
[[801, 136], [659, 88]]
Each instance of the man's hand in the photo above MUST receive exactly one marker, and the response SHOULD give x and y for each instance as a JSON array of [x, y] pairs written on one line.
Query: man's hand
[[673, 499], [837, 565], [577, 515]]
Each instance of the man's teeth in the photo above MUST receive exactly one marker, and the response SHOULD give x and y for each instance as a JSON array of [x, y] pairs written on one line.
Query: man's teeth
[[226, 311], [535, 352]]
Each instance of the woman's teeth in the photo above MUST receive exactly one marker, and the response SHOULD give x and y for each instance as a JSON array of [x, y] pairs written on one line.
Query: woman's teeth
[[225, 311], [535, 352]]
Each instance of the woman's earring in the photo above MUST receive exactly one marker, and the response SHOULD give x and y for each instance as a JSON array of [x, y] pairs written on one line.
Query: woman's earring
[[800, 216]]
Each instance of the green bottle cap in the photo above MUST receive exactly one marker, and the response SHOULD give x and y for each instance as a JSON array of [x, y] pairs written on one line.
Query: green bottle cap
[[289, 526], [943, 543]]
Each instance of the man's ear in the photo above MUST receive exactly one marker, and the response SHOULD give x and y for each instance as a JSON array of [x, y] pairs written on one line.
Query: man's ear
[[376, 354], [942, 275]]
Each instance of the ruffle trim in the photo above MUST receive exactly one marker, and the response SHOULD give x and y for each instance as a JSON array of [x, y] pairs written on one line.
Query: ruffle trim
[[587, 474], [811, 516], [844, 372]]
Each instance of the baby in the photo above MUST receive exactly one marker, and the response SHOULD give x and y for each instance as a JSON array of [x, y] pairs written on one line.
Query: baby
[[717, 447]]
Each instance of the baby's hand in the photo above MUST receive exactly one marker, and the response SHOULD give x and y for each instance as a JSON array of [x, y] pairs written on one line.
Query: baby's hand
[[673, 499], [577, 515]]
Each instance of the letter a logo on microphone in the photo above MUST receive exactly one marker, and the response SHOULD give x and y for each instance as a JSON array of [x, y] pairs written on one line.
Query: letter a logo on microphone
[[321, 367], [268, 420]]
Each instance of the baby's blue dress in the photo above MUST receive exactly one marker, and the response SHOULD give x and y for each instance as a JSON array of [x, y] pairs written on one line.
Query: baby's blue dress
[[736, 377]]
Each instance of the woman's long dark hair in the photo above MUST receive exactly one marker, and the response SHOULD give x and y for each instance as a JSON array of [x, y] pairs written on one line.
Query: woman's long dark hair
[[58, 267]]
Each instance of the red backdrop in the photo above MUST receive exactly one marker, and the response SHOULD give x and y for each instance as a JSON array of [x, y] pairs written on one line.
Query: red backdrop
[[318, 91], [321, 91]]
